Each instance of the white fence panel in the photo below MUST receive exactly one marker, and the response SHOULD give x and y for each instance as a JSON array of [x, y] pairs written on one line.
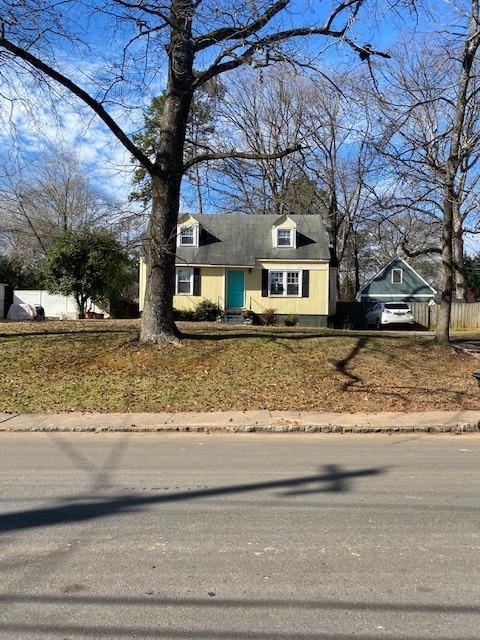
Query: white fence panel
[[55, 305]]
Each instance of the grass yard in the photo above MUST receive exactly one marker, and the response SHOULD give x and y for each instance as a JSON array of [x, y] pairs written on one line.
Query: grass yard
[[97, 366]]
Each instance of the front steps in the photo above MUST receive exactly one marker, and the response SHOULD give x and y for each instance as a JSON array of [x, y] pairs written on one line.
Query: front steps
[[233, 316]]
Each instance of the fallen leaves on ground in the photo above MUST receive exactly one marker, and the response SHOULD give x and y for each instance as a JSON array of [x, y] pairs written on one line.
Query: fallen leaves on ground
[[98, 366]]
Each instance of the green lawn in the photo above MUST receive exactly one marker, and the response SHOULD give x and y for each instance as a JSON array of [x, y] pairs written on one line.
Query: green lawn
[[98, 366]]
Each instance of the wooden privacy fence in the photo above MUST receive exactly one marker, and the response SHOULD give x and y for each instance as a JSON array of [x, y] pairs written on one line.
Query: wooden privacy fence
[[464, 315]]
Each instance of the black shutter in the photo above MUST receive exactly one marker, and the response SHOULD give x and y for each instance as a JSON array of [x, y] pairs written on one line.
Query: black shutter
[[305, 283], [196, 281], [264, 283]]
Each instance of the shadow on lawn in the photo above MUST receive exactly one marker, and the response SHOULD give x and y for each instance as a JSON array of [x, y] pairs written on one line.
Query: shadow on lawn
[[67, 332], [354, 382], [342, 365], [280, 335]]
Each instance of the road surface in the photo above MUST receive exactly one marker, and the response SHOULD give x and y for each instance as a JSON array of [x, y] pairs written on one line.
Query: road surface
[[248, 537]]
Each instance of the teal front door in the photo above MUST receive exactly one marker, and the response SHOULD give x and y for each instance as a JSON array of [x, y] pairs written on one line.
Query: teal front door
[[235, 289]]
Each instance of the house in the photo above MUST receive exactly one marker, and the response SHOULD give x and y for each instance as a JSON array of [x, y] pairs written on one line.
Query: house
[[254, 262], [397, 281]]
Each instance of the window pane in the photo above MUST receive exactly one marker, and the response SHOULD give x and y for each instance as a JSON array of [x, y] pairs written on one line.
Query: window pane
[[184, 287], [186, 236], [292, 283], [397, 305], [284, 237], [184, 275], [184, 281], [276, 282], [397, 276]]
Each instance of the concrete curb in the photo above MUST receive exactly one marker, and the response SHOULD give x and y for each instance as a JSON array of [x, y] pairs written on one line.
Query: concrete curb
[[255, 421], [457, 429]]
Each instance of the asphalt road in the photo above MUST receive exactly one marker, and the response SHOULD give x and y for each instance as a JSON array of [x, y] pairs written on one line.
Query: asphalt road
[[247, 537]]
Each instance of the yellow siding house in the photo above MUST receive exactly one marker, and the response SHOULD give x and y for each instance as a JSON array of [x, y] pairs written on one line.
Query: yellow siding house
[[255, 262]]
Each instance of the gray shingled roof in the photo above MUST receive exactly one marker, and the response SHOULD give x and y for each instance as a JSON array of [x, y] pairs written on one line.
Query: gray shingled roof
[[240, 239]]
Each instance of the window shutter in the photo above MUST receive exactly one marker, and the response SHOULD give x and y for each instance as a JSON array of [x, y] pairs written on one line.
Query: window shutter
[[196, 281], [305, 283], [264, 283]]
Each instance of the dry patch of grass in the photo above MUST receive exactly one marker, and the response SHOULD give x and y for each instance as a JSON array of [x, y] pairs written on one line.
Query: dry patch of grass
[[97, 366]]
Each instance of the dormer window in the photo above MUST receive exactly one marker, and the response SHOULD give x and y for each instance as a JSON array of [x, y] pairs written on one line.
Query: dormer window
[[397, 276], [285, 238], [187, 235]]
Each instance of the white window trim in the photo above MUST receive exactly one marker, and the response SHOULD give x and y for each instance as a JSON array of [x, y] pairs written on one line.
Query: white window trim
[[284, 283], [401, 275], [195, 235], [178, 269], [292, 244]]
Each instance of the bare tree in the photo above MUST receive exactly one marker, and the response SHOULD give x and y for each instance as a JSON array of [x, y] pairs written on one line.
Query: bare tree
[[431, 141], [48, 196], [342, 162], [193, 41], [328, 176], [263, 111]]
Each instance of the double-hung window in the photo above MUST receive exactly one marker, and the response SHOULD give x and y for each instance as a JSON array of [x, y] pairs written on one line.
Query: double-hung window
[[184, 282], [285, 283], [293, 283], [187, 237], [284, 237]]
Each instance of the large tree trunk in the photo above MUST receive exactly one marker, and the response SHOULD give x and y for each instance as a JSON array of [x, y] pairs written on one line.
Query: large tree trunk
[[451, 171], [444, 311], [157, 317], [356, 262], [458, 259]]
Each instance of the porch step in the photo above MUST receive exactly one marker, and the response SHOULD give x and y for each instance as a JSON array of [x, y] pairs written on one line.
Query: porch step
[[233, 318]]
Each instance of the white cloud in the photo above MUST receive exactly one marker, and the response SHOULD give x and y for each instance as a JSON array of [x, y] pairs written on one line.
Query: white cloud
[[34, 120]]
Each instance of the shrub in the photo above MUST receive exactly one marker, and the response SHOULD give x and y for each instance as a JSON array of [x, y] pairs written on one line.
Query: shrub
[[207, 311], [268, 316], [290, 321], [250, 317], [184, 314]]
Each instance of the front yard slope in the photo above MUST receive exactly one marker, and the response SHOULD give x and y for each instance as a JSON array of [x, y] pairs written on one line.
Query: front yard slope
[[98, 366]]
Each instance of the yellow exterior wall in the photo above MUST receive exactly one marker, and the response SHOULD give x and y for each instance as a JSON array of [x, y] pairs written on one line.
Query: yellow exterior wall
[[288, 223], [315, 304], [213, 283], [212, 287], [188, 222]]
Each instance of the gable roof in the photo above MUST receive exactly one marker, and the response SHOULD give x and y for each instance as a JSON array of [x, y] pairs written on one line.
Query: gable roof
[[413, 285], [240, 239]]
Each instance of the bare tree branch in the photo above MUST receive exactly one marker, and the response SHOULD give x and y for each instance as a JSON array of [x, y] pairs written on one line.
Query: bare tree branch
[[85, 97], [245, 155]]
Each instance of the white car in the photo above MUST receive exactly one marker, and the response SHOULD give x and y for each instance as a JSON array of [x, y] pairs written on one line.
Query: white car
[[387, 313]]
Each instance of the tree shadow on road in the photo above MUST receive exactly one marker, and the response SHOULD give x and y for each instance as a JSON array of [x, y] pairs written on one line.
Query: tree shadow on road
[[334, 479]]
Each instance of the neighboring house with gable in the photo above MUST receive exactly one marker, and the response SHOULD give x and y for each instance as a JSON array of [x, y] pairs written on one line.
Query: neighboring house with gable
[[399, 282], [255, 262]]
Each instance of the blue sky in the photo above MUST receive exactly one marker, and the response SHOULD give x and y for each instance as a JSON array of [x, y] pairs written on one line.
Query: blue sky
[[73, 125]]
